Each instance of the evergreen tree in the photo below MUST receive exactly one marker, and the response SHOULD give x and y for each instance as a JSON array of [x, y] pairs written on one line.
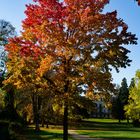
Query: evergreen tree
[[132, 83], [122, 99]]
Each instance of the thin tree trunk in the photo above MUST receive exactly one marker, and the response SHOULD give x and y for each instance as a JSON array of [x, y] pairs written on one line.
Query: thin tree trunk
[[119, 120], [37, 128], [127, 120], [35, 112], [47, 125], [65, 122], [42, 121]]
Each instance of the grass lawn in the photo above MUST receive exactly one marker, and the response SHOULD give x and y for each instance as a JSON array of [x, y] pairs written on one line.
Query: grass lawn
[[96, 128], [44, 134], [108, 128]]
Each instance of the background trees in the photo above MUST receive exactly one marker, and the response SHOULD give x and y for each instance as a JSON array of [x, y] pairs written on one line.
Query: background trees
[[133, 106], [6, 31], [122, 98]]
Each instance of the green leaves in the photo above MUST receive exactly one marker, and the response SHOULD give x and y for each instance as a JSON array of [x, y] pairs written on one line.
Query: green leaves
[[133, 106]]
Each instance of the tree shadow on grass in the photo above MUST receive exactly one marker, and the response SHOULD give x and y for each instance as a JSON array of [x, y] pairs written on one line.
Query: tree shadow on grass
[[108, 130], [43, 135], [88, 125], [125, 138]]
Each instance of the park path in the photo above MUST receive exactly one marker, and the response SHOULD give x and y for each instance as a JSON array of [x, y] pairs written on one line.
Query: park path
[[77, 136]]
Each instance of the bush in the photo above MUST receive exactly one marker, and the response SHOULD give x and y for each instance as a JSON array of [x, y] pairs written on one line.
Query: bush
[[15, 129], [10, 130]]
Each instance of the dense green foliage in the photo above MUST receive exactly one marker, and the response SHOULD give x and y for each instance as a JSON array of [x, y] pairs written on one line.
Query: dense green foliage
[[120, 100], [133, 107]]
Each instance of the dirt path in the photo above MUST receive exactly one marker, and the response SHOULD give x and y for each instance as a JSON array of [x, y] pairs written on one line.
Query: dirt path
[[76, 136]]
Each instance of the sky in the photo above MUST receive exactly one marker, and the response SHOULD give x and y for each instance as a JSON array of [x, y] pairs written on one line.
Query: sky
[[128, 10]]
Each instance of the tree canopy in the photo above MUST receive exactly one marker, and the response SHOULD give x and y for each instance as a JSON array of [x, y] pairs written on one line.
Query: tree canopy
[[68, 48], [122, 98], [133, 106], [6, 31]]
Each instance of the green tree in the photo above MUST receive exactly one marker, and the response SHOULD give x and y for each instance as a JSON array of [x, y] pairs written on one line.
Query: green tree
[[6, 31], [122, 99], [133, 107], [132, 83], [114, 103]]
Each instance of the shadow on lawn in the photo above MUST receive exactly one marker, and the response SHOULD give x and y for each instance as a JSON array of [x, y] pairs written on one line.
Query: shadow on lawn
[[42, 135], [125, 138], [108, 130], [105, 126]]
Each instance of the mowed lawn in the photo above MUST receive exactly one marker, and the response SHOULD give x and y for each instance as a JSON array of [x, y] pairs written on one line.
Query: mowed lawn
[[97, 128], [44, 134], [108, 128]]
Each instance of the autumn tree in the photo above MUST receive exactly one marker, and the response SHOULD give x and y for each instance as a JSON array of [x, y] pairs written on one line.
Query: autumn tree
[[138, 1], [70, 46]]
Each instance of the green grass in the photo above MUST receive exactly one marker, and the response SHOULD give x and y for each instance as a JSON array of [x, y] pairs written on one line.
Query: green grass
[[44, 134], [99, 120], [108, 128], [97, 128]]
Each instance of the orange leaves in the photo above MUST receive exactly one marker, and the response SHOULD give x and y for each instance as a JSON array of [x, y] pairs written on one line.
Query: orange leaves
[[86, 13], [73, 42], [45, 65]]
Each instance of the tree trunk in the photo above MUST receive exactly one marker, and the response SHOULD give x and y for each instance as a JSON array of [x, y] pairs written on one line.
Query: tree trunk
[[47, 125], [119, 120], [42, 121], [37, 128], [127, 120], [35, 112], [66, 92], [65, 121]]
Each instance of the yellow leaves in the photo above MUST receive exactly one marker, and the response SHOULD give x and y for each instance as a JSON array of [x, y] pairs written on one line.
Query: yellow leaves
[[92, 96], [18, 84], [45, 65], [111, 53]]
